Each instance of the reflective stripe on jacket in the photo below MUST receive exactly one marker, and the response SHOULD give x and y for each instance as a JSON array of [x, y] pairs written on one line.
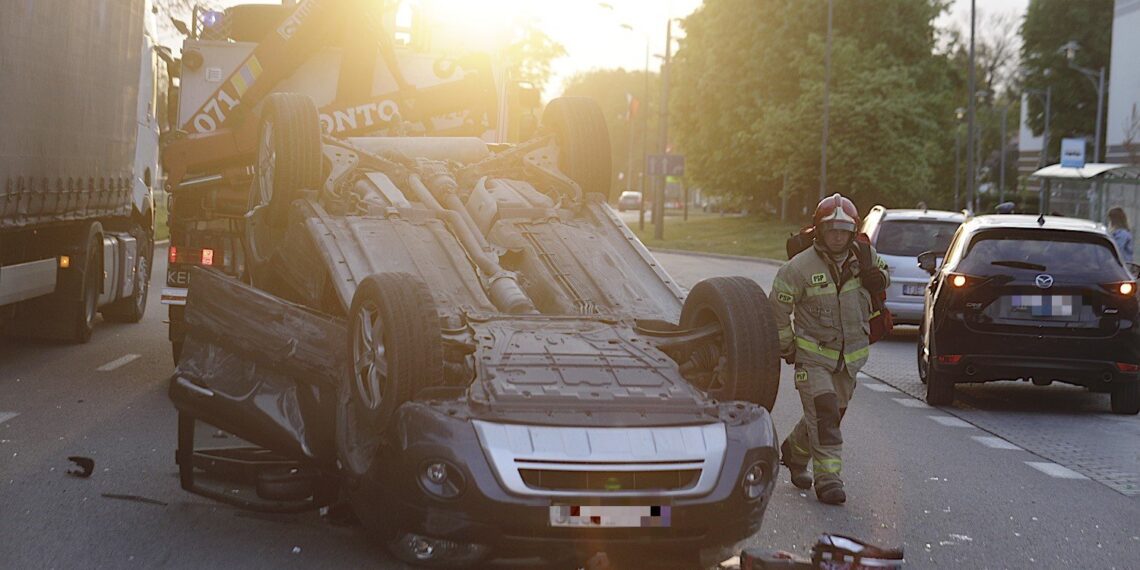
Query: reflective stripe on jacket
[[832, 321]]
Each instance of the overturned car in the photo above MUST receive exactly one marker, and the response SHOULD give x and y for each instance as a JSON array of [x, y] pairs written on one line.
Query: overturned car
[[462, 343]]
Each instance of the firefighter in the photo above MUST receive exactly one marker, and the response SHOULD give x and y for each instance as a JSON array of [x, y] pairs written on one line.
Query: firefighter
[[828, 290]]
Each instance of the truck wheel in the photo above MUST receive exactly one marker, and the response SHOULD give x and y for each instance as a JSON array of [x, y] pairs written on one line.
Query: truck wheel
[[939, 388], [288, 153], [85, 306], [1126, 399], [394, 349], [747, 358], [583, 142], [132, 309]]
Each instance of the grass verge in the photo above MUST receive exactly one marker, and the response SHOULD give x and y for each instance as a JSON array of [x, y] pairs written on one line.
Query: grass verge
[[750, 236]]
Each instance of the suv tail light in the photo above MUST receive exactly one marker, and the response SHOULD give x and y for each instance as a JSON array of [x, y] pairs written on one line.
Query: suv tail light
[[949, 358], [960, 281], [1123, 288], [1127, 367]]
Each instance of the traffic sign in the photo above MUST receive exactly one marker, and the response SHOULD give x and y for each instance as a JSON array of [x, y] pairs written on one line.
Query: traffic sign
[[1072, 153], [665, 165]]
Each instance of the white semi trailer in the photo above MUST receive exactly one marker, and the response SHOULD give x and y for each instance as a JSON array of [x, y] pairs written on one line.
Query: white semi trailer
[[82, 95]]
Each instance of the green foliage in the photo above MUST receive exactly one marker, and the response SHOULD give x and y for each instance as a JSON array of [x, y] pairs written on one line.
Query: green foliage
[[1048, 25], [747, 100], [611, 89], [532, 55]]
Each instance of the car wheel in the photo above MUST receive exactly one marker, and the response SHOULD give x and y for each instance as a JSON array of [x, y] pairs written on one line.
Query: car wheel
[[132, 309], [288, 153], [920, 360], [1126, 399], [745, 363], [394, 349], [579, 126], [939, 388]]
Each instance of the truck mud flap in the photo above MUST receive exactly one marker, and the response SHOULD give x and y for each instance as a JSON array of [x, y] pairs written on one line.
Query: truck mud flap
[[261, 368]]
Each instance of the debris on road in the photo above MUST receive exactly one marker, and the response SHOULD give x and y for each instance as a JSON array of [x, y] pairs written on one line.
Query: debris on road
[[134, 498], [86, 466]]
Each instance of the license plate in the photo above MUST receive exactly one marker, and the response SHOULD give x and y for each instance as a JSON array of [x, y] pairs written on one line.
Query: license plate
[[1044, 305], [913, 289], [610, 516]]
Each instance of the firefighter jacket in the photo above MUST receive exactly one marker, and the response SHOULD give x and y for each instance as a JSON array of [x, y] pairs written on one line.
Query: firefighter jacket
[[831, 307]]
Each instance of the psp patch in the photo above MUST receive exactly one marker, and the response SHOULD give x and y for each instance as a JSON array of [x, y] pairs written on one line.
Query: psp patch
[[801, 375], [784, 298], [818, 278]]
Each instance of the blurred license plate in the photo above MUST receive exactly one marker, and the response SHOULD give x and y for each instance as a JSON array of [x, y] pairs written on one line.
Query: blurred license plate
[[611, 516], [1044, 305], [912, 289]]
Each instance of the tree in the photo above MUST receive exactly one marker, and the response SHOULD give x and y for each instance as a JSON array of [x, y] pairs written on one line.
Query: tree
[[748, 91], [532, 54], [613, 90], [1089, 23]]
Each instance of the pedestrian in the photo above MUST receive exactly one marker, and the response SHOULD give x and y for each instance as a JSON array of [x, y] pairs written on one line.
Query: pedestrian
[[828, 288], [1121, 234]]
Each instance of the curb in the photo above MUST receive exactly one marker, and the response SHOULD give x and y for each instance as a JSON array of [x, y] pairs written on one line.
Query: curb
[[764, 260]]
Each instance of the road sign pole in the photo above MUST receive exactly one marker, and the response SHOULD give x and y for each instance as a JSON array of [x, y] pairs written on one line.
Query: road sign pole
[[659, 202]]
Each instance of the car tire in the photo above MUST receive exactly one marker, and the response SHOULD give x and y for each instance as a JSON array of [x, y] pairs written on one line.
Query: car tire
[[939, 388], [750, 345], [132, 309], [394, 317], [579, 126], [288, 154], [920, 359], [1126, 399]]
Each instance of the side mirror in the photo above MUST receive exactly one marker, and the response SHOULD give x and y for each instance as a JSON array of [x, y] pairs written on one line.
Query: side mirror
[[928, 261]]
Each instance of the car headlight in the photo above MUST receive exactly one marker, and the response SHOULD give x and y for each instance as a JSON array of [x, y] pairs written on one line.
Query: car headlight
[[441, 479], [755, 480]]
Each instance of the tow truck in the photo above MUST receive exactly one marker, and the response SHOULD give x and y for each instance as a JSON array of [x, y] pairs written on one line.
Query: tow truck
[[453, 339]]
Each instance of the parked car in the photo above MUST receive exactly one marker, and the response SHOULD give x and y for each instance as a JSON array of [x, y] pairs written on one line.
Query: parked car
[[629, 200], [899, 236], [1032, 298]]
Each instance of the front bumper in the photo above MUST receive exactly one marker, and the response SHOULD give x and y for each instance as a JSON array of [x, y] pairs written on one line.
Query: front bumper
[[514, 525]]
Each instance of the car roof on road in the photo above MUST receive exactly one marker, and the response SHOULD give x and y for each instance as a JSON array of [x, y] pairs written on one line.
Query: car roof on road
[[1025, 221]]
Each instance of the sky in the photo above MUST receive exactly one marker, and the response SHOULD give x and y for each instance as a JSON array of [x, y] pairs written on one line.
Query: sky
[[593, 33]]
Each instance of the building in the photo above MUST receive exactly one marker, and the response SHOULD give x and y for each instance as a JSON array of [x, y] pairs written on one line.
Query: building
[[1122, 129]]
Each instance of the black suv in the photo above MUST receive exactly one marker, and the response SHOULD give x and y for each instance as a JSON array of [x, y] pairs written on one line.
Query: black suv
[[1032, 298]]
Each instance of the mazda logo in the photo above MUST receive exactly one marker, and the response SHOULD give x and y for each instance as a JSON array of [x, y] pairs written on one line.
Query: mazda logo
[[1044, 281]]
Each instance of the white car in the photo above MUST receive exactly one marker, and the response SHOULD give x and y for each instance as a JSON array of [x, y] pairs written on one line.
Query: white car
[[899, 236], [629, 200]]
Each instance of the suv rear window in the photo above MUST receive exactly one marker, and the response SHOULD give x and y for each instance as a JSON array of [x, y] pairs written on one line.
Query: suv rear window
[[909, 238], [1060, 253]]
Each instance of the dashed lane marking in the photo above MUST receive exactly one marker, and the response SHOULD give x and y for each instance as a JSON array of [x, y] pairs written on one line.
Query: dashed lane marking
[[1054, 470], [879, 387], [910, 402], [994, 442], [949, 421], [118, 362], [5, 416]]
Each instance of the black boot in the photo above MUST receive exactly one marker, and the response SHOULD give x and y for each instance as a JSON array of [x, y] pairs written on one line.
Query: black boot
[[831, 492], [801, 478]]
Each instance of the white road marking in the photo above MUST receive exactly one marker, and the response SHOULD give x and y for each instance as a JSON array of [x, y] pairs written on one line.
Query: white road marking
[[878, 387], [910, 402], [994, 442], [949, 421], [1054, 470], [5, 416], [118, 362]]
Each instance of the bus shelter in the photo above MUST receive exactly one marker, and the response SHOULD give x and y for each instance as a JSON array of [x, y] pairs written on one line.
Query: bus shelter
[[1089, 191]]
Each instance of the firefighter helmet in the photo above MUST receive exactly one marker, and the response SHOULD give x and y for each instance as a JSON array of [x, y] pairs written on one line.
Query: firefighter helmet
[[835, 212]]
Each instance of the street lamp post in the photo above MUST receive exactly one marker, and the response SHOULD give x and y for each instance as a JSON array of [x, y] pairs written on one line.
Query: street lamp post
[[826, 105], [958, 113], [1097, 79], [1004, 144], [971, 178], [644, 131]]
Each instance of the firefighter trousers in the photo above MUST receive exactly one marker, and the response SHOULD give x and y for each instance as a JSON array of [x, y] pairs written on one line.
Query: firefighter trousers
[[817, 437]]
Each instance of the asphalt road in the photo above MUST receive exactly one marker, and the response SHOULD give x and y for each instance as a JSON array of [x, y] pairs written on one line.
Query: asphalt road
[[1010, 477]]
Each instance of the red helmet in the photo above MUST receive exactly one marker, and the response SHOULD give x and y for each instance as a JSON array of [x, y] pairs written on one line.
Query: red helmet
[[836, 212]]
